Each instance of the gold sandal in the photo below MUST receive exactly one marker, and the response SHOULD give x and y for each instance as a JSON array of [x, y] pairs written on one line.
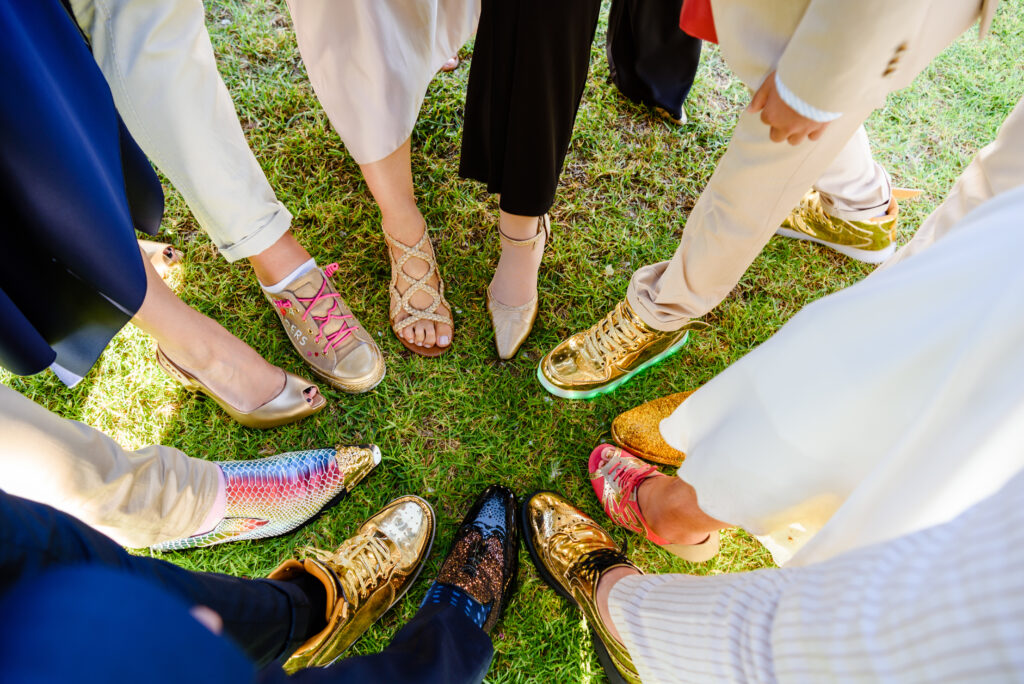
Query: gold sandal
[[512, 324], [288, 406], [400, 302]]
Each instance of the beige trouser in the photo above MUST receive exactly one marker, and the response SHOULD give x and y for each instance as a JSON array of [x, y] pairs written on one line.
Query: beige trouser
[[758, 182], [138, 498], [157, 58]]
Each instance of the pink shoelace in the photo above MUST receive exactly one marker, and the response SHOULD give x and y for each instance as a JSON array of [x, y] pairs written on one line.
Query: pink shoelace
[[627, 480], [339, 335]]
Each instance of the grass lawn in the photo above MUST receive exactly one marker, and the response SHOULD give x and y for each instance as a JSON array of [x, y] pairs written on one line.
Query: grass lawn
[[450, 426]]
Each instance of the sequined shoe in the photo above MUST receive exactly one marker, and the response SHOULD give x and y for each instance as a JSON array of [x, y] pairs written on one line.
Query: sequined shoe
[[611, 352], [364, 577], [571, 552], [272, 496], [326, 333], [616, 475], [870, 240], [484, 557], [637, 430]]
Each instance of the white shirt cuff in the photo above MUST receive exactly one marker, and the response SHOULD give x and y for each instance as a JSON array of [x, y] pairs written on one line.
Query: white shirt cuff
[[801, 107]]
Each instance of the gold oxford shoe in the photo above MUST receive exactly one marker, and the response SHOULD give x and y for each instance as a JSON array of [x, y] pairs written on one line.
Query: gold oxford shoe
[[870, 240], [571, 552], [365, 577], [611, 352], [637, 430]]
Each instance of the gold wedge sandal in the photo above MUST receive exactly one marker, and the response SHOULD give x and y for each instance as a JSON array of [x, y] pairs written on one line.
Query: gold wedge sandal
[[512, 324], [400, 301], [288, 406]]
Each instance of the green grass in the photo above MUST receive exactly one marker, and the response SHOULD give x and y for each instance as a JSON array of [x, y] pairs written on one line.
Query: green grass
[[450, 426]]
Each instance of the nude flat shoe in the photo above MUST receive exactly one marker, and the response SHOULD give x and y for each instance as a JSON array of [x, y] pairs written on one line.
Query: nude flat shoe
[[512, 324], [288, 406]]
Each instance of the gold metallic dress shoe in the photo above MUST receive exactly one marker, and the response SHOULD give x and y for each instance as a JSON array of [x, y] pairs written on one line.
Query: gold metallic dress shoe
[[571, 552], [364, 578], [326, 333], [870, 240], [637, 430], [611, 352], [295, 401], [512, 324]]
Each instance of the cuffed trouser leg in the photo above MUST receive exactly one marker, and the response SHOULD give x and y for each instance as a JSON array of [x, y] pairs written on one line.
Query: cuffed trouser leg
[[156, 56], [755, 185], [266, 619], [854, 186], [138, 498], [896, 398]]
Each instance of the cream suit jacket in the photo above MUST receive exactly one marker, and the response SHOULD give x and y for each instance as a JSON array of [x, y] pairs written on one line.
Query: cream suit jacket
[[835, 55]]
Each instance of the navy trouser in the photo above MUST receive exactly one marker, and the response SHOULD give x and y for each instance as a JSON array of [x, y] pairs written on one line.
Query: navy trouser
[[268, 620]]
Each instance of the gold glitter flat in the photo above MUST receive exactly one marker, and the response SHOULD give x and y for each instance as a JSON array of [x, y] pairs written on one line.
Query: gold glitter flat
[[368, 574], [637, 430]]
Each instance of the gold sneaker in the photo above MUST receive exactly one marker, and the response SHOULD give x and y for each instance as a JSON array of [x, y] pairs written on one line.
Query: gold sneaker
[[611, 352], [326, 333], [637, 430], [571, 552], [367, 575], [872, 240]]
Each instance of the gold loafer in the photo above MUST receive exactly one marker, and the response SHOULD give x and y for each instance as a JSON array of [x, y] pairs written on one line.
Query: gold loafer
[[637, 430], [512, 324], [288, 406]]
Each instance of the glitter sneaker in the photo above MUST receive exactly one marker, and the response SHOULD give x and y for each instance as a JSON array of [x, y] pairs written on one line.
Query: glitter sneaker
[[326, 333], [272, 496]]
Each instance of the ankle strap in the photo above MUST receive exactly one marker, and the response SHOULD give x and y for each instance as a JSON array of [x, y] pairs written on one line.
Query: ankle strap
[[543, 230]]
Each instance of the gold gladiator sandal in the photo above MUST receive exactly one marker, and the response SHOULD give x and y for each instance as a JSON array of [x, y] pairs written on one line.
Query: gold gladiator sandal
[[400, 301], [512, 324]]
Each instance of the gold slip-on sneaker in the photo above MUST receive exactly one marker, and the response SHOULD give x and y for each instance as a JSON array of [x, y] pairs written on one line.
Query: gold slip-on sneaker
[[571, 552], [326, 333], [637, 430], [612, 351], [870, 240], [367, 575]]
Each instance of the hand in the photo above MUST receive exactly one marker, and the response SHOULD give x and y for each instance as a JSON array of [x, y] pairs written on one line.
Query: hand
[[785, 122]]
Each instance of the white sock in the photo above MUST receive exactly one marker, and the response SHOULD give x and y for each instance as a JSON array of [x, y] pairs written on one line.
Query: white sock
[[280, 285]]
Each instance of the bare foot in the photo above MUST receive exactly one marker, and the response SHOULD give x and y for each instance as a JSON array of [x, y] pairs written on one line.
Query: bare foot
[[424, 333], [604, 588]]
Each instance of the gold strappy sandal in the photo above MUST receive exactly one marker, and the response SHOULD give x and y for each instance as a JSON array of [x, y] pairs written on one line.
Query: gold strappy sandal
[[512, 324], [288, 406], [400, 301]]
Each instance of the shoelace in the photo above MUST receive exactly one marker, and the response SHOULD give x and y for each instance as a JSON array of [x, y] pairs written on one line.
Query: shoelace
[[611, 335], [627, 477], [599, 560], [366, 559], [341, 334], [475, 557]]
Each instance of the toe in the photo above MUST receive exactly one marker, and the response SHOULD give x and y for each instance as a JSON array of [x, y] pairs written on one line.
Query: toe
[[429, 334], [420, 334], [444, 335]]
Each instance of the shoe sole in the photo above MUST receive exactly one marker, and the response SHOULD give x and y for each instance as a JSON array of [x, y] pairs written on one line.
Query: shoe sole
[[611, 386], [868, 256], [347, 390], [610, 671], [331, 503]]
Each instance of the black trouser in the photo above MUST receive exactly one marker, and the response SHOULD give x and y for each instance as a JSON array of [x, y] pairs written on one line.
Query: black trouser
[[526, 80], [267, 619], [650, 59]]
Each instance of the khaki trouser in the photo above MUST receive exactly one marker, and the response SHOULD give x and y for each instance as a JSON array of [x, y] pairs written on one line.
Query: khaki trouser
[[157, 58], [758, 182], [138, 498]]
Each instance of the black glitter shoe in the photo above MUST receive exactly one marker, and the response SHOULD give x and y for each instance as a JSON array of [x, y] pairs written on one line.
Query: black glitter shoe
[[484, 557]]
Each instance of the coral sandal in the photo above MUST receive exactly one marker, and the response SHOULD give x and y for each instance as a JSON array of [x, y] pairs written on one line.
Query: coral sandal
[[400, 301]]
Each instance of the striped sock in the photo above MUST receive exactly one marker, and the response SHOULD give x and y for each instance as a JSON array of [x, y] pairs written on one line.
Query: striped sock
[[440, 593]]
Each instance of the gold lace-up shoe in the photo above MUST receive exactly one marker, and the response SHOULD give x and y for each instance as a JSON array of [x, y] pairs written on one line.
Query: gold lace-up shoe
[[871, 240], [326, 334], [611, 352], [637, 430], [571, 552], [367, 575]]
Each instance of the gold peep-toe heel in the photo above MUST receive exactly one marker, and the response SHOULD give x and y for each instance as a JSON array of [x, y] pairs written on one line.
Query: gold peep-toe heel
[[288, 406], [162, 255], [512, 324]]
